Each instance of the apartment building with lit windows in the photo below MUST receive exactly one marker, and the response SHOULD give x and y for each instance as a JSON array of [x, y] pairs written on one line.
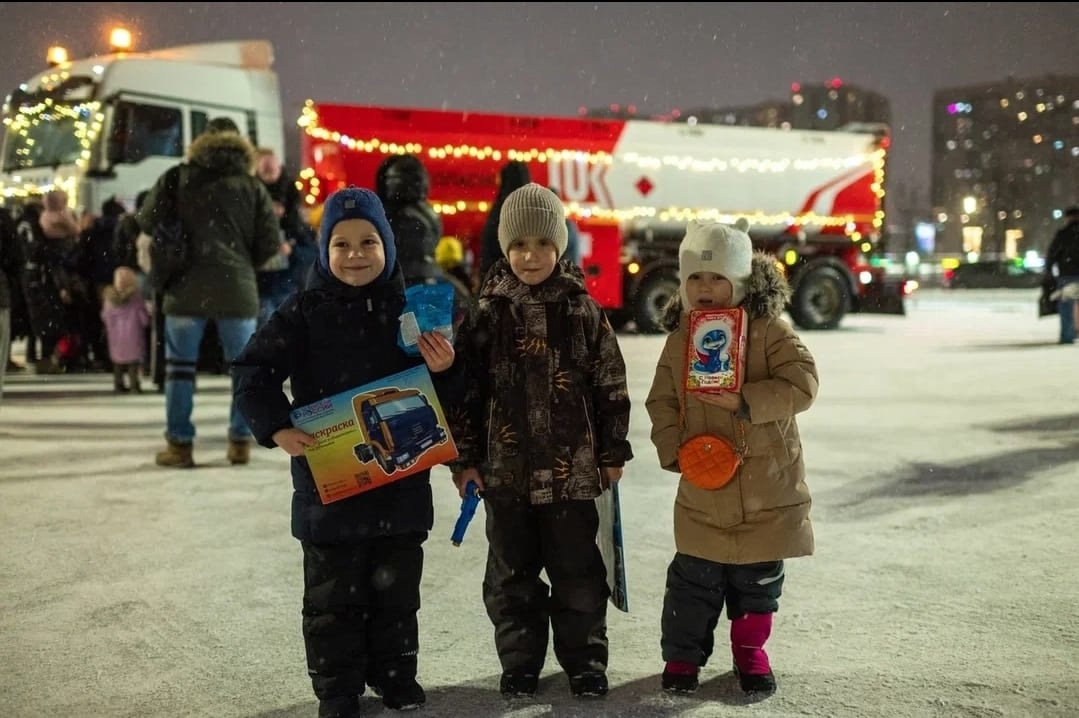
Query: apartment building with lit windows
[[1005, 164]]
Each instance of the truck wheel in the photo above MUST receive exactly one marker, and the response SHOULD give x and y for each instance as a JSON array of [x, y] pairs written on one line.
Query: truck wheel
[[364, 453], [651, 300], [820, 300]]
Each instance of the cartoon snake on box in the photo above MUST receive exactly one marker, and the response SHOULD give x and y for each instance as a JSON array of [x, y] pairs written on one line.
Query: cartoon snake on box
[[712, 356]]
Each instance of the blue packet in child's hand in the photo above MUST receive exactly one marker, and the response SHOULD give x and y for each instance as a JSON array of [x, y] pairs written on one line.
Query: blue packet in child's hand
[[428, 308]]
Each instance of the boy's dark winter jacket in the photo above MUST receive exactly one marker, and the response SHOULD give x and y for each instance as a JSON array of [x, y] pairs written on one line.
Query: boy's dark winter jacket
[[546, 401], [330, 338]]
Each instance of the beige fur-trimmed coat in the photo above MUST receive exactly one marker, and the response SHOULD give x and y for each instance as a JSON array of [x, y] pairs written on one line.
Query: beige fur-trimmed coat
[[763, 513]]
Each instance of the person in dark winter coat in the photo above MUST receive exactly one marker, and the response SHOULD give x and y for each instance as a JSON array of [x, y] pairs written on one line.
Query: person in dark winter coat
[[402, 184], [363, 555], [96, 264], [541, 431], [280, 276], [11, 264], [731, 541], [514, 175], [1063, 258], [229, 220], [126, 234], [51, 289]]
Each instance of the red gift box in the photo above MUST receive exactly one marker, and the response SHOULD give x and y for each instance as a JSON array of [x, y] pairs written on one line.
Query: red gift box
[[716, 349]]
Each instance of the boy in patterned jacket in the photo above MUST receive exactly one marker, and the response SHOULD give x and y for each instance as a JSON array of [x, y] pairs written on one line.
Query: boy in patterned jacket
[[542, 431]]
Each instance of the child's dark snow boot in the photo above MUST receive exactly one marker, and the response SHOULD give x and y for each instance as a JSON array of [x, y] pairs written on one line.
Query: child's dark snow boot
[[518, 685], [402, 694], [590, 684], [396, 684], [341, 707], [748, 636], [680, 677]]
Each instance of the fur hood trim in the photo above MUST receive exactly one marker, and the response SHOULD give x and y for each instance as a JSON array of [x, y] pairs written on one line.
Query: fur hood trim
[[767, 293], [224, 152]]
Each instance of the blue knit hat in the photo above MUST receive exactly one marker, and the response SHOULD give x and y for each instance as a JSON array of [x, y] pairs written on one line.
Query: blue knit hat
[[356, 203]]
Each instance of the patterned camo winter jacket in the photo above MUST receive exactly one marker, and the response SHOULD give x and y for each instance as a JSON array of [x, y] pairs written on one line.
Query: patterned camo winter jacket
[[547, 402]]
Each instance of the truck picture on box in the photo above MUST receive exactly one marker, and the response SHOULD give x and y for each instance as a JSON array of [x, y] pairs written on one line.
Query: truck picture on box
[[398, 426], [375, 434]]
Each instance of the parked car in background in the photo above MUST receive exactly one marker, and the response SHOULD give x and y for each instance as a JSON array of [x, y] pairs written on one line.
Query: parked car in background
[[992, 274]]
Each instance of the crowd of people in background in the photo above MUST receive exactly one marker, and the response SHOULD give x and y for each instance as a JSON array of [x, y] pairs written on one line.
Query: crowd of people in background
[[58, 267], [60, 280]]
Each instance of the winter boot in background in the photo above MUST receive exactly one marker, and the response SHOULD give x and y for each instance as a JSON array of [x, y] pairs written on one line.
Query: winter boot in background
[[49, 366], [176, 455], [118, 385], [680, 677], [239, 452], [133, 378], [749, 633]]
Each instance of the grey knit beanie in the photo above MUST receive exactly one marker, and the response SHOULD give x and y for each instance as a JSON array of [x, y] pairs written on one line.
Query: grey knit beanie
[[532, 211]]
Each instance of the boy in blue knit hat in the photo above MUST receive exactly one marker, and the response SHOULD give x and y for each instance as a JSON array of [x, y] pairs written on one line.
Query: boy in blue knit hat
[[363, 555]]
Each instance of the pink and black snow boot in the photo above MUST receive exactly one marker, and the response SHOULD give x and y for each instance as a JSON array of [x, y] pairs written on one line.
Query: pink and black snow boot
[[680, 677], [748, 636]]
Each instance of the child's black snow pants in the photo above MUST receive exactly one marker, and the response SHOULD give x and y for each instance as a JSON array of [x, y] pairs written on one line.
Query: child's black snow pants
[[524, 539], [696, 592], [360, 602]]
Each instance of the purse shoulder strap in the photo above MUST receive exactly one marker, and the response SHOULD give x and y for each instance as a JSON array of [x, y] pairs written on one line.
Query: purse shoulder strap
[[741, 448]]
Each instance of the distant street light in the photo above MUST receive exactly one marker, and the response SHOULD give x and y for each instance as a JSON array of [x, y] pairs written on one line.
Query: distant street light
[[970, 204], [120, 39]]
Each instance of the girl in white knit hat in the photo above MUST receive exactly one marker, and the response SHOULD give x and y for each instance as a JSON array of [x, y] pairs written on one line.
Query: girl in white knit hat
[[731, 541], [541, 431]]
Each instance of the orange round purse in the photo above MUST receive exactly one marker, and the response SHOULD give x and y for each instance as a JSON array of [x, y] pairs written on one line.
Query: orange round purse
[[708, 462]]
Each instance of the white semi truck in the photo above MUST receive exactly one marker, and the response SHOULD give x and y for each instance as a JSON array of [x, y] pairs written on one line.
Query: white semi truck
[[110, 125]]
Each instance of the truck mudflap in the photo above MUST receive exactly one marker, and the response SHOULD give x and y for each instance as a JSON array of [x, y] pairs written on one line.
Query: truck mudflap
[[882, 297]]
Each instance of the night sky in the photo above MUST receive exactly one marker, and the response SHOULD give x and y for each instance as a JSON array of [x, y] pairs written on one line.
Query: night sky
[[552, 58]]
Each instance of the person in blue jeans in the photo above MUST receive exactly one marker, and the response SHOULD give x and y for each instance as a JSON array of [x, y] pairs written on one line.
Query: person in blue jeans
[[183, 335], [1063, 257], [228, 215]]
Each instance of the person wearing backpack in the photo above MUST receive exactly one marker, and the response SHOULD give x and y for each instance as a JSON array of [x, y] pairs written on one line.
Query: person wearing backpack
[[230, 228]]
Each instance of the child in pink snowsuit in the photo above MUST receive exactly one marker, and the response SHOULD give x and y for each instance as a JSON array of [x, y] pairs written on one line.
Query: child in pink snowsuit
[[125, 317]]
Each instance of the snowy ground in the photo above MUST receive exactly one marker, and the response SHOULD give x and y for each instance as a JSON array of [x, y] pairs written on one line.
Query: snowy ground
[[943, 454]]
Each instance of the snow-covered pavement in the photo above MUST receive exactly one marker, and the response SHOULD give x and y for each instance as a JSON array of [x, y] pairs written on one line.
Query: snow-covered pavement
[[943, 455]]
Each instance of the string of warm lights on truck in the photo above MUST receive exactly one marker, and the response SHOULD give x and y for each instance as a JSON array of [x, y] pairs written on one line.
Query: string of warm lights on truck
[[309, 182]]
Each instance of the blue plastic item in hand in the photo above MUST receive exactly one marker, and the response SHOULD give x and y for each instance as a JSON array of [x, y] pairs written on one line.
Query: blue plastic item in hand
[[428, 308], [468, 510]]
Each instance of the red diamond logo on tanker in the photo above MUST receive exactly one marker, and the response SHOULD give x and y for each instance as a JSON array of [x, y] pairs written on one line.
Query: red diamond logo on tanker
[[644, 186]]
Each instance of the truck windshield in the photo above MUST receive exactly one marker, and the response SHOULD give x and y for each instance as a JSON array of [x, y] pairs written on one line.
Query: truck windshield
[[400, 406], [45, 136]]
